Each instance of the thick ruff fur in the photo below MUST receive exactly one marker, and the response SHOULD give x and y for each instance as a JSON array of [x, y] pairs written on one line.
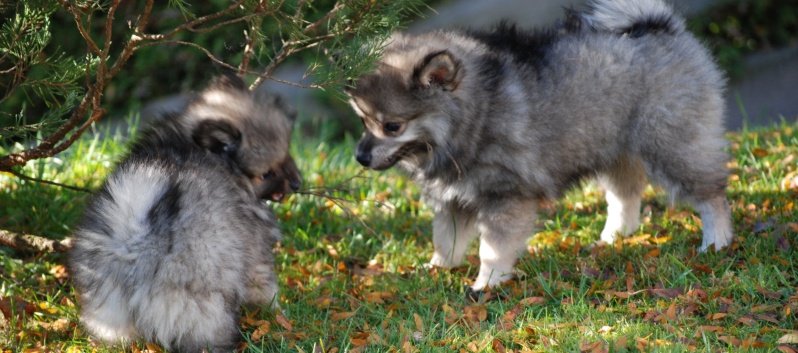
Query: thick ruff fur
[[490, 122], [178, 237]]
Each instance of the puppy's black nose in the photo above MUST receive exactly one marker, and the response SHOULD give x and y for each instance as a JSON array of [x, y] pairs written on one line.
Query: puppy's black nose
[[364, 158], [295, 184]]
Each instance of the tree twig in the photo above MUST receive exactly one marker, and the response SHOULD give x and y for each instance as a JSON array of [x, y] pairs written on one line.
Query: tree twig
[[65, 186], [29, 242], [326, 192]]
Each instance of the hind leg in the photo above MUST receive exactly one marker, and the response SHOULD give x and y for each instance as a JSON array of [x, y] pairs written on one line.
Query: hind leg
[[262, 285], [691, 165], [716, 222], [624, 183]]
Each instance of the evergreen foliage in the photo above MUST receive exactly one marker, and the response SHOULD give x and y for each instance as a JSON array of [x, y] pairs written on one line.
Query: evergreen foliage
[[63, 63]]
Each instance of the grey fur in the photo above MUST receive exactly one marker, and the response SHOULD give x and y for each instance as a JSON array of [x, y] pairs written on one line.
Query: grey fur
[[178, 238], [490, 122]]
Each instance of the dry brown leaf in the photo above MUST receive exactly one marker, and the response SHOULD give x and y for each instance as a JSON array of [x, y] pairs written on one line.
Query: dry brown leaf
[[629, 269], [377, 297], [152, 347], [768, 317], [747, 320], [642, 343], [533, 300], [669, 293], [716, 316], [261, 331], [498, 346], [786, 348], [338, 316], [760, 152], [733, 341], [60, 325], [283, 321], [767, 293], [592, 347], [789, 338], [605, 329], [19, 307], [652, 254], [671, 313], [359, 340], [419, 323], [621, 342]]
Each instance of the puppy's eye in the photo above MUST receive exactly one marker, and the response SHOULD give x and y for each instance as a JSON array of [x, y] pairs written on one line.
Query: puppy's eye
[[392, 127], [268, 175]]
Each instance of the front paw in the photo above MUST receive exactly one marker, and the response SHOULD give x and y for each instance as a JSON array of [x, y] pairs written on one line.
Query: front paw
[[474, 295], [439, 260]]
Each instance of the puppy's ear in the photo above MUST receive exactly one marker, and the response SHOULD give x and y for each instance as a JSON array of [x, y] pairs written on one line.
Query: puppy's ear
[[228, 81], [288, 109], [438, 69], [218, 137]]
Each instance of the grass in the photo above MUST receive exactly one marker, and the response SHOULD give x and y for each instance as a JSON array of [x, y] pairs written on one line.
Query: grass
[[352, 279]]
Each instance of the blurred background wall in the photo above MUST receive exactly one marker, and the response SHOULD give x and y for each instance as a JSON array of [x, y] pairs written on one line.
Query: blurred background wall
[[764, 80]]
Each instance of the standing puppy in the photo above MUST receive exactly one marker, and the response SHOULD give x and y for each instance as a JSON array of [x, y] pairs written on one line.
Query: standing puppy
[[178, 237], [490, 122]]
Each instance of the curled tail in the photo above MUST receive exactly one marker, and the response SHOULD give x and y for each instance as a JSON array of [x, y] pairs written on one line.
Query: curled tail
[[633, 17]]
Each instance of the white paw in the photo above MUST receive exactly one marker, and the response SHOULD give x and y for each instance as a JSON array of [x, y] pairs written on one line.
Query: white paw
[[439, 260]]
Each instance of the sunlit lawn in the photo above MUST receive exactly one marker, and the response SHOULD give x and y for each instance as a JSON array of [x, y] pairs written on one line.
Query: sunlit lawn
[[352, 279]]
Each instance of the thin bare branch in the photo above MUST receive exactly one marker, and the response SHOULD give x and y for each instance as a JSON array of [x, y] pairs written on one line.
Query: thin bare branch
[[327, 193], [190, 25], [228, 66], [29, 242], [289, 47], [37, 180]]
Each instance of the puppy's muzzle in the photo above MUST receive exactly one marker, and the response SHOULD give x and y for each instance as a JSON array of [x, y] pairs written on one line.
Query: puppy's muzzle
[[363, 153], [364, 158]]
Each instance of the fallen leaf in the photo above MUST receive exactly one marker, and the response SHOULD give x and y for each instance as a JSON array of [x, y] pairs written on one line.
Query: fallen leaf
[[671, 313], [782, 244], [498, 346], [338, 316], [747, 320], [621, 342], [716, 316], [284, 322], [652, 254], [592, 347], [19, 307], [533, 301], [789, 338], [767, 293], [768, 317], [710, 329], [760, 152], [419, 323], [786, 348], [733, 341], [261, 331], [153, 347], [669, 293]]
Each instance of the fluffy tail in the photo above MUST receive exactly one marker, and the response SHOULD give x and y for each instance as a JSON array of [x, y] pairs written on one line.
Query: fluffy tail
[[633, 17]]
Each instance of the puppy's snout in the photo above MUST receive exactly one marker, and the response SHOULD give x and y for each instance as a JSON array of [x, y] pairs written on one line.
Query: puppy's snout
[[295, 184], [363, 157], [363, 154]]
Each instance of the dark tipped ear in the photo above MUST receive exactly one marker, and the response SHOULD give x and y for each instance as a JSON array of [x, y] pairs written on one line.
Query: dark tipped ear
[[228, 80], [438, 69], [288, 109], [218, 137]]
